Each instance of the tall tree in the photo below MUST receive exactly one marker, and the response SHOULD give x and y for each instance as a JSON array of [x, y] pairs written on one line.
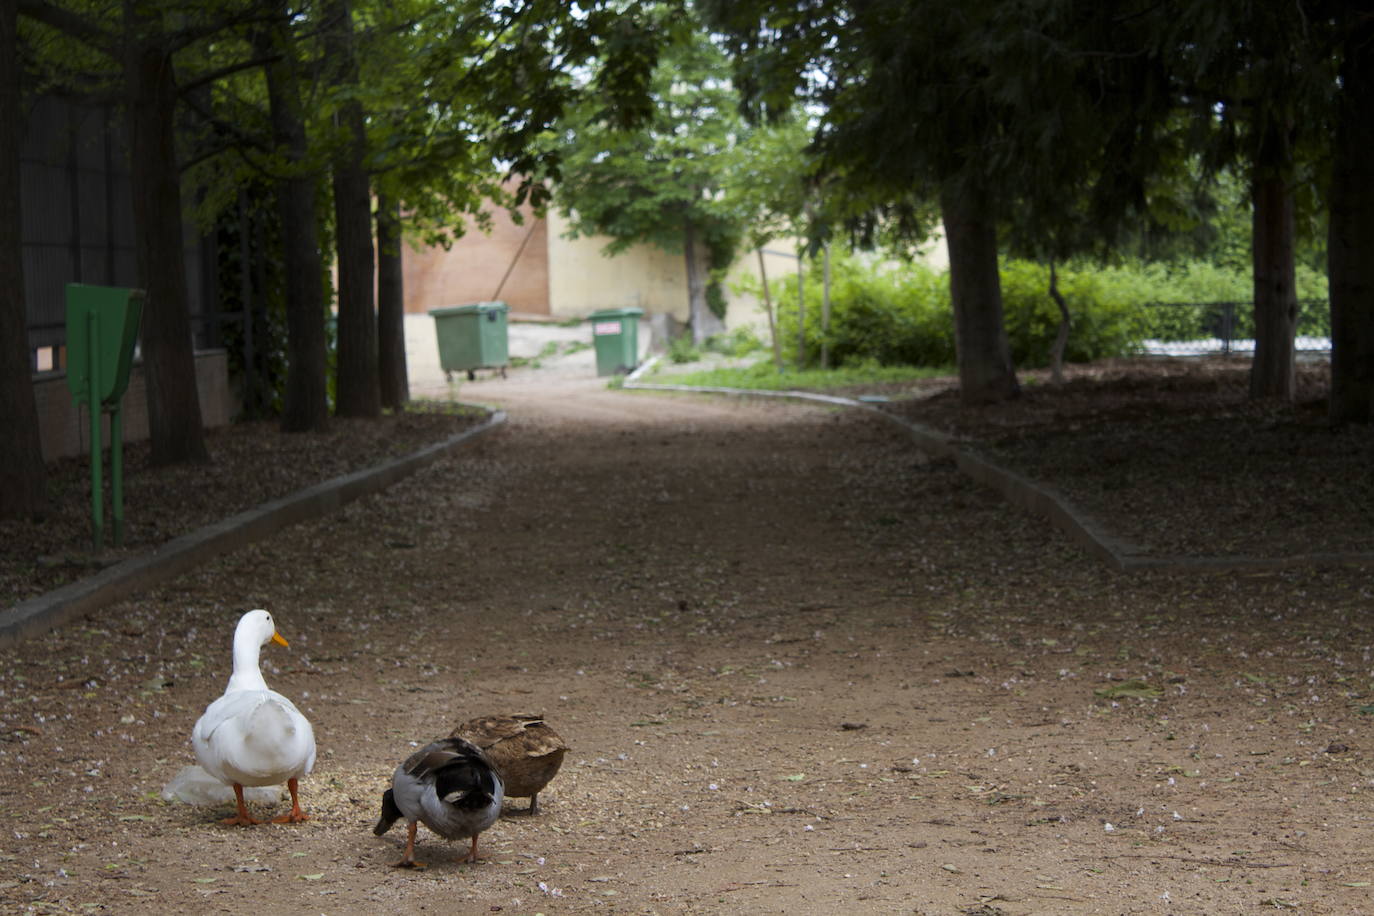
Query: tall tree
[[905, 111], [22, 473], [662, 183], [1350, 245], [176, 431], [358, 392], [1256, 79], [1273, 373], [391, 338], [306, 402]]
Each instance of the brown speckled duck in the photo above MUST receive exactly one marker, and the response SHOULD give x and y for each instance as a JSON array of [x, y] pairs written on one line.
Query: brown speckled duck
[[524, 750]]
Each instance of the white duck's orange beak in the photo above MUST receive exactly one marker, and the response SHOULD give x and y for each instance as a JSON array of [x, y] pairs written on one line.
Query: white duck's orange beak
[[276, 638]]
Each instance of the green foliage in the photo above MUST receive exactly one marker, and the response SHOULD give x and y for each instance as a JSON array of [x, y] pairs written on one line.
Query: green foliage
[[1103, 322], [650, 184], [682, 350], [895, 314], [891, 316], [1181, 301], [737, 343], [693, 172]]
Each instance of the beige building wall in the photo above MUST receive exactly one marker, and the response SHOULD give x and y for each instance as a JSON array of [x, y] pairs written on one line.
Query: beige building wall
[[583, 278]]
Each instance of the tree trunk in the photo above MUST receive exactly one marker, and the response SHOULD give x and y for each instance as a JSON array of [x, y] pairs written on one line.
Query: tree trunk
[[359, 393], [391, 306], [1061, 337], [175, 428], [768, 310], [703, 322], [801, 308], [1273, 374], [825, 311], [980, 334], [23, 489], [306, 402], [1350, 239]]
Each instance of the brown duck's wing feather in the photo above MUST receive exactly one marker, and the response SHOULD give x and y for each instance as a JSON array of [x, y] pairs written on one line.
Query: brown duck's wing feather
[[512, 736], [485, 731], [523, 748]]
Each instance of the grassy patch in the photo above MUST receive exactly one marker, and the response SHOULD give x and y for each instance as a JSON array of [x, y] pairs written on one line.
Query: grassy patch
[[763, 376], [550, 349]]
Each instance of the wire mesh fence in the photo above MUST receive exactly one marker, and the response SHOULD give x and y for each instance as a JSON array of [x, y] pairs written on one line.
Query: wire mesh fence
[[1198, 328]]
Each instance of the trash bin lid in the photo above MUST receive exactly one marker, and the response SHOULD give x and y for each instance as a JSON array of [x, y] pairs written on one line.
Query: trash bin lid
[[631, 312], [471, 308]]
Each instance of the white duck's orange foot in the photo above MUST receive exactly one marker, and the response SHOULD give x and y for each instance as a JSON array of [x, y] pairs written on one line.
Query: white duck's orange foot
[[240, 820], [296, 816]]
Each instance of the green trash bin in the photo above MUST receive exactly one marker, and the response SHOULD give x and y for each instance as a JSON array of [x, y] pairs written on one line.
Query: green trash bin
[[472, 337], [615, 334]]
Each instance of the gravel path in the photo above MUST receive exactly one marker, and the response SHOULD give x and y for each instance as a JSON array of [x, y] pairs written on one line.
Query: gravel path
[[802, 668]]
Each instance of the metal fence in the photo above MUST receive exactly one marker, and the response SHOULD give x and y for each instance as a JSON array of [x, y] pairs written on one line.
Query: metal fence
[[77, 221], [1196, 328]]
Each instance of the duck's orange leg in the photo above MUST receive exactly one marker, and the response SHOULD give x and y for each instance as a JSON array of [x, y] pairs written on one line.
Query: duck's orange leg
[[472, 853], [296, 815], [242, 818], [409, 860]]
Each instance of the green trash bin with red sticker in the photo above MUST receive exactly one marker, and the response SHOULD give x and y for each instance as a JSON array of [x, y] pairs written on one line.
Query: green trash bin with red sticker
[[615, 336]]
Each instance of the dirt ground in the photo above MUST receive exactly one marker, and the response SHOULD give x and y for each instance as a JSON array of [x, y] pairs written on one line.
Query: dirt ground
[[802, 669]]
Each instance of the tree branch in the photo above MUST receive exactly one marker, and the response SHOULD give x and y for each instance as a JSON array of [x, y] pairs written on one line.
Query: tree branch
[[229, 70], [69, 23], [242, 137]]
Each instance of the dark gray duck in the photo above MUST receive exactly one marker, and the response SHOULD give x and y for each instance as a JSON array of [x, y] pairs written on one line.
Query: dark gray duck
[[451, 786]]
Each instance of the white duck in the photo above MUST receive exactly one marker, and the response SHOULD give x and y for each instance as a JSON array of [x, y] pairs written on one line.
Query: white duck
[[253, 736], [451, 785]]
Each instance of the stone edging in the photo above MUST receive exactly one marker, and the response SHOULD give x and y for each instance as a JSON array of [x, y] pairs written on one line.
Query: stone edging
[[1082, 529], [48, 611]]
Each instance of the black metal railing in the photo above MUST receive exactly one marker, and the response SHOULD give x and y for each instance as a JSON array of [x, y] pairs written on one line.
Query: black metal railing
[[1190, 326]]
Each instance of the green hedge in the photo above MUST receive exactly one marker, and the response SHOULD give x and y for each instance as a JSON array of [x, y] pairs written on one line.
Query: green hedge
[[901, 315]]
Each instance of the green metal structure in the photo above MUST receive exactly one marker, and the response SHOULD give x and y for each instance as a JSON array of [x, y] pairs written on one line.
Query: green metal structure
[[472, 337], [102, 330]]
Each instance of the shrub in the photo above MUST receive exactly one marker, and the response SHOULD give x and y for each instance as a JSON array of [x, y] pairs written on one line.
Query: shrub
[[900, 315], [885, 315]]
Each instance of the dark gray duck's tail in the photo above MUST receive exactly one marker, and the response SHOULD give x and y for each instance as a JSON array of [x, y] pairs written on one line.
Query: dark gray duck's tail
[[390, 813]]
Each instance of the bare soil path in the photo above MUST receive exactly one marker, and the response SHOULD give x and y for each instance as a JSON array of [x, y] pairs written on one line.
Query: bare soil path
[[801, 667]]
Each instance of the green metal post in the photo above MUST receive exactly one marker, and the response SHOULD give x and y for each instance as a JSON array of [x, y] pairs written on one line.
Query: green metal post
[[93, 403], [117, 473]]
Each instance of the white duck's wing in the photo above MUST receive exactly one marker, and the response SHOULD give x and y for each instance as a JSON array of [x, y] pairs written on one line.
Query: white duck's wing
[[254, 738]]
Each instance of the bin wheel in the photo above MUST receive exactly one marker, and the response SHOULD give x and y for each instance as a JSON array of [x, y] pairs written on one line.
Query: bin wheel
[[472, 376], [448, 376], [503, 372]]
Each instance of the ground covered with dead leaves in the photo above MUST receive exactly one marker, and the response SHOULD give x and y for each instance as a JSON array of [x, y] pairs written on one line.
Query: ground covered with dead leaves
[[802, 668]]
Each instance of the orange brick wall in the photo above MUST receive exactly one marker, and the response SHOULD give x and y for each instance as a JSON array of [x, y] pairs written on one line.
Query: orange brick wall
[[472, 270]]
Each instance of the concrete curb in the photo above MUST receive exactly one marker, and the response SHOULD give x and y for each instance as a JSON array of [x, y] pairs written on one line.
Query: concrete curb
[[1082, 529], [48, 611]]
